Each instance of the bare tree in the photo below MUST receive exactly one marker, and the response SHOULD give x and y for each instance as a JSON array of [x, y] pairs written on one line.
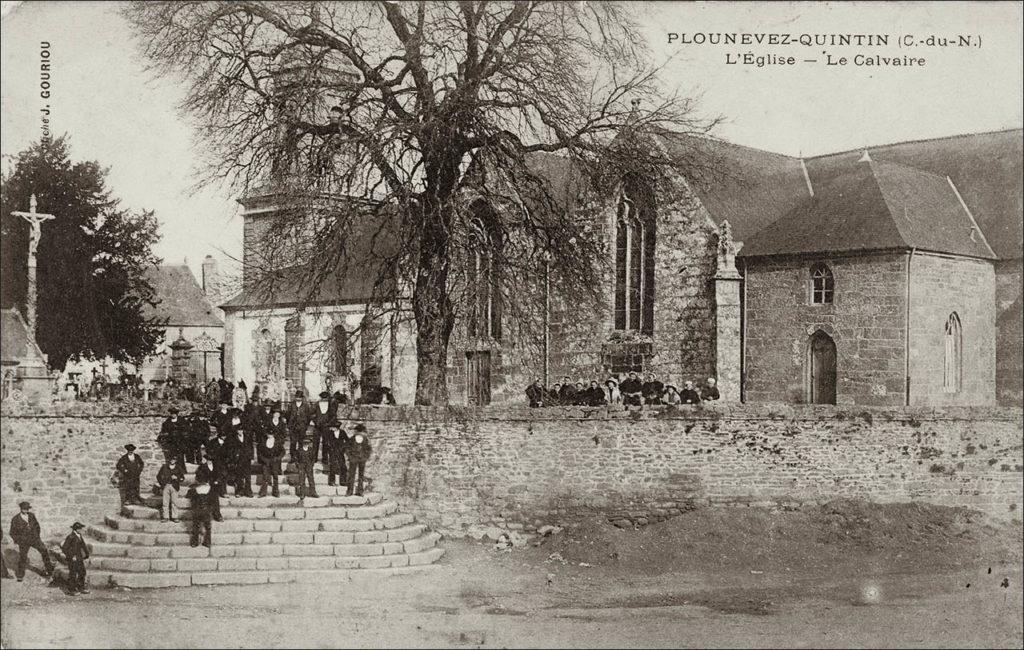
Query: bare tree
[[381, 123]]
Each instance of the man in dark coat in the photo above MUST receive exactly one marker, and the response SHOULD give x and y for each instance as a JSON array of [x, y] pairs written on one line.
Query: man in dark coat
[[220, 418], [567, 392], [269, 454], [689, 395], [297, 415], [632, 390], [239, 450], [358, 451], [169, 479], [198, 431], [25, 533], [304, 460], [76, 552], [594, 395], [535, 393], [335, 443], [129, 469], [212, 475], [205, 505], [323, 415], [710, 390], [652, 389], [173, 437]]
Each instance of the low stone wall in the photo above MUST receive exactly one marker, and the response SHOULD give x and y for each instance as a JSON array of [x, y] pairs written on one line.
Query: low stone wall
[[458, 469]]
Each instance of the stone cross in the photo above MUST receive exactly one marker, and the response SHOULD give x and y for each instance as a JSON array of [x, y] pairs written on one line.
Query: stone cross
[[35, 220]]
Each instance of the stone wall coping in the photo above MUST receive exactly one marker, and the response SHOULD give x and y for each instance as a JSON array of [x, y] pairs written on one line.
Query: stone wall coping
[[413, 414]]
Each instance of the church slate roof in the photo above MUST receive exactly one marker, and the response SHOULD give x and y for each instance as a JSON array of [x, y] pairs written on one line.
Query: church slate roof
[[16, 346], [755, 188], [874, 205], [182, 302]]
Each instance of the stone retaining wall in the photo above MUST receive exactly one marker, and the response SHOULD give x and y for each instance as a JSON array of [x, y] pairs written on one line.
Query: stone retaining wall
[[458, 469]]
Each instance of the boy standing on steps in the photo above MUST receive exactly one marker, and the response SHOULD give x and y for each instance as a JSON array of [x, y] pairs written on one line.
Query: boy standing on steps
[[76, 553], [358, 451], [305, 458], [202, 497]]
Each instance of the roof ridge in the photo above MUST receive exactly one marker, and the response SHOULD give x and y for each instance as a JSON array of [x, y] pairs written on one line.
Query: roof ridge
[[915, 141], [713, 138], [905, 166]]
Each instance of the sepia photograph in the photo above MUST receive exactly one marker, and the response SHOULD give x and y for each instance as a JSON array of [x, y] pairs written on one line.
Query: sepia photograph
[[511, 324]]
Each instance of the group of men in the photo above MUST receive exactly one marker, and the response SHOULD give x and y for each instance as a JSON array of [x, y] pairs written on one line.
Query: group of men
[[237, 439], [25, 533], [632, 391]]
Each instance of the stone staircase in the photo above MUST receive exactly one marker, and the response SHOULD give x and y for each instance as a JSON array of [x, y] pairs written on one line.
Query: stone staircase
[[262, 540]]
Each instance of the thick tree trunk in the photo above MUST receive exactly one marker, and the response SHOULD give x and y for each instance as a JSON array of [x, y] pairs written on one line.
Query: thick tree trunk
[[435, 314]]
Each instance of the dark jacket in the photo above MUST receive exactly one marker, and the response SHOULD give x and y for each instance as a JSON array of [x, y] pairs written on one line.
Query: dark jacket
[[297, 416], [323, 420], [204, 473], [629, 386], [74, 548], [689, 396], [202, 504], [710, 393], [173, 476], [595, 397], [567, 394], [535, 394], [130, 467], [220, 420], [653, 390], [24, 532], [359, 452], [338, 444], [239, 451], [217, 450], [305, 456], [271, 455], [172, 432]]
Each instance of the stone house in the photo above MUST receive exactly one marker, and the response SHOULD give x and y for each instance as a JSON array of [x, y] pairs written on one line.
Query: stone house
[[676, 301]]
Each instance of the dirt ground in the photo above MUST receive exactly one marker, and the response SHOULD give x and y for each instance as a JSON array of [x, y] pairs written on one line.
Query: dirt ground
[[844, 575]]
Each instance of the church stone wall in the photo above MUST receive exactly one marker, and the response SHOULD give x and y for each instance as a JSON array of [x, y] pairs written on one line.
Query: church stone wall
[[1009, 333], [940, 285], [866, 321]]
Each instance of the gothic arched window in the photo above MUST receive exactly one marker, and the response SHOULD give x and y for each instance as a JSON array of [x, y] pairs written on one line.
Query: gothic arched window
[[483, 274], [339, 357], [823, 285], [635, 237], [293, 335], [952, 367]]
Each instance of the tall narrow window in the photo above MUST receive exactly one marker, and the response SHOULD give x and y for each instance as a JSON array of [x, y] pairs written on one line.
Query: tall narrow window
[[483, 274], [293, 335], [952, 367], [823, 285], [634, 258], [339, 365], [371, 359]]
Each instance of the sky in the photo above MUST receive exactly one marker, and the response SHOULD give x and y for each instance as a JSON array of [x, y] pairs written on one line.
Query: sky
[[117, 114]]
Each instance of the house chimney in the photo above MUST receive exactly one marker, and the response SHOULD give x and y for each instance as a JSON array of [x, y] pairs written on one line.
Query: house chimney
[[209, 280]]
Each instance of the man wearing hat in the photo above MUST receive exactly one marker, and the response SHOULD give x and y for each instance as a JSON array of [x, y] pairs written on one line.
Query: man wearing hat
[[220, 418], [169, 479], [324, 414], [304, 460], [239, 451], [204, 500], [210, 473], [335, 442], [358, 451], [25, 533], [172, 438], [269, 453], [129, 469], [297, 415], [76, 553]]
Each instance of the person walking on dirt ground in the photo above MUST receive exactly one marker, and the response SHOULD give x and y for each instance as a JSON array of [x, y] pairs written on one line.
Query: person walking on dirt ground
[[358, 451], [76, 553], [25, 533], [129, 469]]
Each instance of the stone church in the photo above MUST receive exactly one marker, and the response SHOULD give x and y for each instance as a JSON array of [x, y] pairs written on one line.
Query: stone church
[[888, 275]]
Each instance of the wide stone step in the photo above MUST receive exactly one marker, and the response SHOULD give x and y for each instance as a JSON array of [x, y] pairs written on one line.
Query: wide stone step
[[283, 514], [417, 562], [231, 501], [269, 557], [269, 525], [285, 478], [263, 531]]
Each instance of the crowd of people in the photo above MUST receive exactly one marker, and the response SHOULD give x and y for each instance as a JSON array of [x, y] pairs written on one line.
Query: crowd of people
[[229, 444], [630, 391]]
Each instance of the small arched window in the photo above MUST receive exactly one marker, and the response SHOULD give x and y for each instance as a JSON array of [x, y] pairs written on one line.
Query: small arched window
[[634, 258], [823, 285], [952, 367], [483, 274]]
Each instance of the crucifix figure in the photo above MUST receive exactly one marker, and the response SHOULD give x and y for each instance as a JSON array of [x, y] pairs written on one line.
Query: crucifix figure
[[35, 220]]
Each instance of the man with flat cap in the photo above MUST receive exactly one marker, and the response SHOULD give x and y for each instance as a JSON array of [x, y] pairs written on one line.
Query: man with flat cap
[[76, 553], [129, 469], [25, 533]]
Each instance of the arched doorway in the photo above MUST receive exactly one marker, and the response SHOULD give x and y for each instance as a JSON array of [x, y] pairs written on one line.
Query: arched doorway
[[821, 369]]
